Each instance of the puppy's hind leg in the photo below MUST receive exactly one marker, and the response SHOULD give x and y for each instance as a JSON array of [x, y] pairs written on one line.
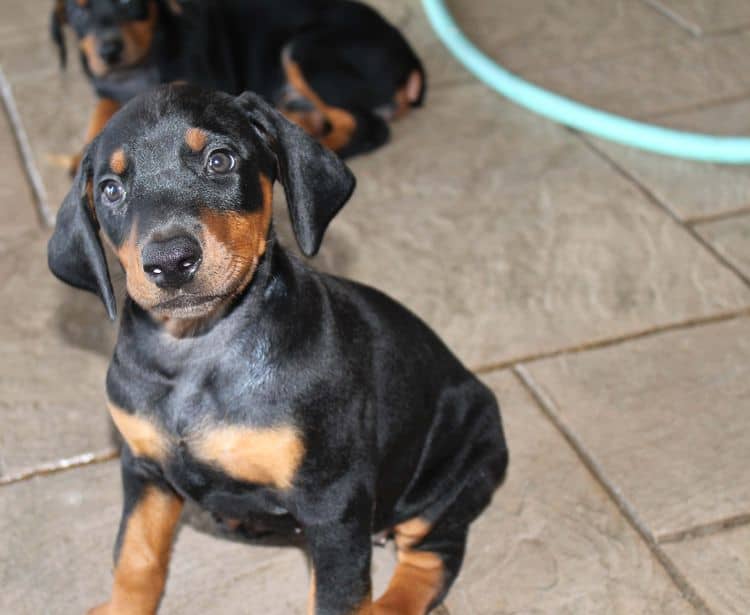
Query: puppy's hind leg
[[429, 558]]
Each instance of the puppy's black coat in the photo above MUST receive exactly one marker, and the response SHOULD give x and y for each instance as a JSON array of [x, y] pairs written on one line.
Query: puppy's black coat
[[335, 67], [254, 385]]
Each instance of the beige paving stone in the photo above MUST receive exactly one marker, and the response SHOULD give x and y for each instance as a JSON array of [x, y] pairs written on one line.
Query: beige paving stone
[[57, 533], [17, 208], [666, 419], [552, 541], [691, 190], [56, 343], [517, 244], [29, 53], [718, 567], [731, 118], [652, 80], [54, 112], [525, 36], [731, 237], [19, 15], [707, 16]]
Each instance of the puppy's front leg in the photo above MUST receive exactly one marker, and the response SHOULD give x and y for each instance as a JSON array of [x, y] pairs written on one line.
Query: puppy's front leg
[[105, 109], [340, 582], [150, 515]]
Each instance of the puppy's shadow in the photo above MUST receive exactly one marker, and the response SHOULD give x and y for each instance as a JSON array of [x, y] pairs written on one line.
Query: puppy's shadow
[[80, 317]]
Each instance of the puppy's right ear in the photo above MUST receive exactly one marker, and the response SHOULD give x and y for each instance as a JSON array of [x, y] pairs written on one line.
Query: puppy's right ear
[[316, 182], [74, 252], [58, 19]]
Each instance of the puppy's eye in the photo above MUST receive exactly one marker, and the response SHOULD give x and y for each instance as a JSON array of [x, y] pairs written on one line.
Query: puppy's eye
[[220, 162], [112, 192]]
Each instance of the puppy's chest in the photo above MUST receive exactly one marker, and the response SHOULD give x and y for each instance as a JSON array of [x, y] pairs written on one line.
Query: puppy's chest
[[199, 436]]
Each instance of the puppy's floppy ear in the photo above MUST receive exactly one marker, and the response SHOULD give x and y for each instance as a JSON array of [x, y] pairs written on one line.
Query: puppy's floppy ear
[[74, 252], [316, 182], [58, 18]]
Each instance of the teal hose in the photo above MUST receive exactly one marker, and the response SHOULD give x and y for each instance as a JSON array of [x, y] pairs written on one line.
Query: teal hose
[[708, 148]]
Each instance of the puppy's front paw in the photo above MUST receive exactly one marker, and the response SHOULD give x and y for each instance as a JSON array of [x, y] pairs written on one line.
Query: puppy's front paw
[[102, 609]]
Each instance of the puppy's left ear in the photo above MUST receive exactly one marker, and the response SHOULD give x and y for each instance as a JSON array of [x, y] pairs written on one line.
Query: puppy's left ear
[[316, 182], [58, 18], [74, 252]]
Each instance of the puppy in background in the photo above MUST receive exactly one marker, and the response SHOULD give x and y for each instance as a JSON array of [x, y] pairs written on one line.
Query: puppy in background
[[334, 67]]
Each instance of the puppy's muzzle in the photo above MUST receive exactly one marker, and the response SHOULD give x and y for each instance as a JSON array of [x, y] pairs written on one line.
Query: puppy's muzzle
[[110, 49], [173, 262]]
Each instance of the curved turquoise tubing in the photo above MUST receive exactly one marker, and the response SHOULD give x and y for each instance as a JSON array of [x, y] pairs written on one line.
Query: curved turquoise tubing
[[695, 146]]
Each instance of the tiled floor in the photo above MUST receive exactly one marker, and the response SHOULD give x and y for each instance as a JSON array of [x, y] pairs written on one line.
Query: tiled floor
[[602, 292]]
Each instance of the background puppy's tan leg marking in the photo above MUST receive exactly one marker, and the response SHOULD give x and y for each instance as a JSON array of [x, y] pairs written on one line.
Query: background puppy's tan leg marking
[[105, 109], [418, 577], [342, 122]]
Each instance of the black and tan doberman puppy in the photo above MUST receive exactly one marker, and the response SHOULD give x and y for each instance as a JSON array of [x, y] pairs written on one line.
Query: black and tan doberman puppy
[[254, 385], [335, 67]]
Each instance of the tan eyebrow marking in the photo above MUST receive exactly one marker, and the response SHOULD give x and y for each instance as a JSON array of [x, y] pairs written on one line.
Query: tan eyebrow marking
[[118, 161], [196, 138]]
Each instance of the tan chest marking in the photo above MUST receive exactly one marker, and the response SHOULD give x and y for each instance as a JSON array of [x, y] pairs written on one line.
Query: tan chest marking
[[143, 437], [263, 456], [269, 456]]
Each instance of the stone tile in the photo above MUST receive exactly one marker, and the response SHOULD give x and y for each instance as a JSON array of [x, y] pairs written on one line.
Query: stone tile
[[654, 80], [724, 119], [666, 419], [690, 189], [21, 15], [54, 111], [17, 208], [718, 567], [552, 541], [707, 16], [30, 53], [731, 237], [527, 36], [57, 533], [56, 346], [517, 243]]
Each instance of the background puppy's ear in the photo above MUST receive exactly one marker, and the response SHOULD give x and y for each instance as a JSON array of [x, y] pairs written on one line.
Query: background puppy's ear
[[316, 182], [58, 19], [74, 252]]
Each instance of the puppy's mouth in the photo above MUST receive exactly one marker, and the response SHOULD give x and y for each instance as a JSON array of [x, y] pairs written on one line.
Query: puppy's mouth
[[187, 306]]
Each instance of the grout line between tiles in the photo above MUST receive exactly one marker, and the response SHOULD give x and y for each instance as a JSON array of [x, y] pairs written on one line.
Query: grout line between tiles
[[22, 142], [705, 529], [664, 207], [718, 217], [548, 408], [699, 106], [613, 341], [61, 465], [675, 17]]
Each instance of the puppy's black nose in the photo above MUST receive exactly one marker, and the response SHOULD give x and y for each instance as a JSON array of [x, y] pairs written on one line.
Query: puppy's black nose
[[110, 49], [172, 263]]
